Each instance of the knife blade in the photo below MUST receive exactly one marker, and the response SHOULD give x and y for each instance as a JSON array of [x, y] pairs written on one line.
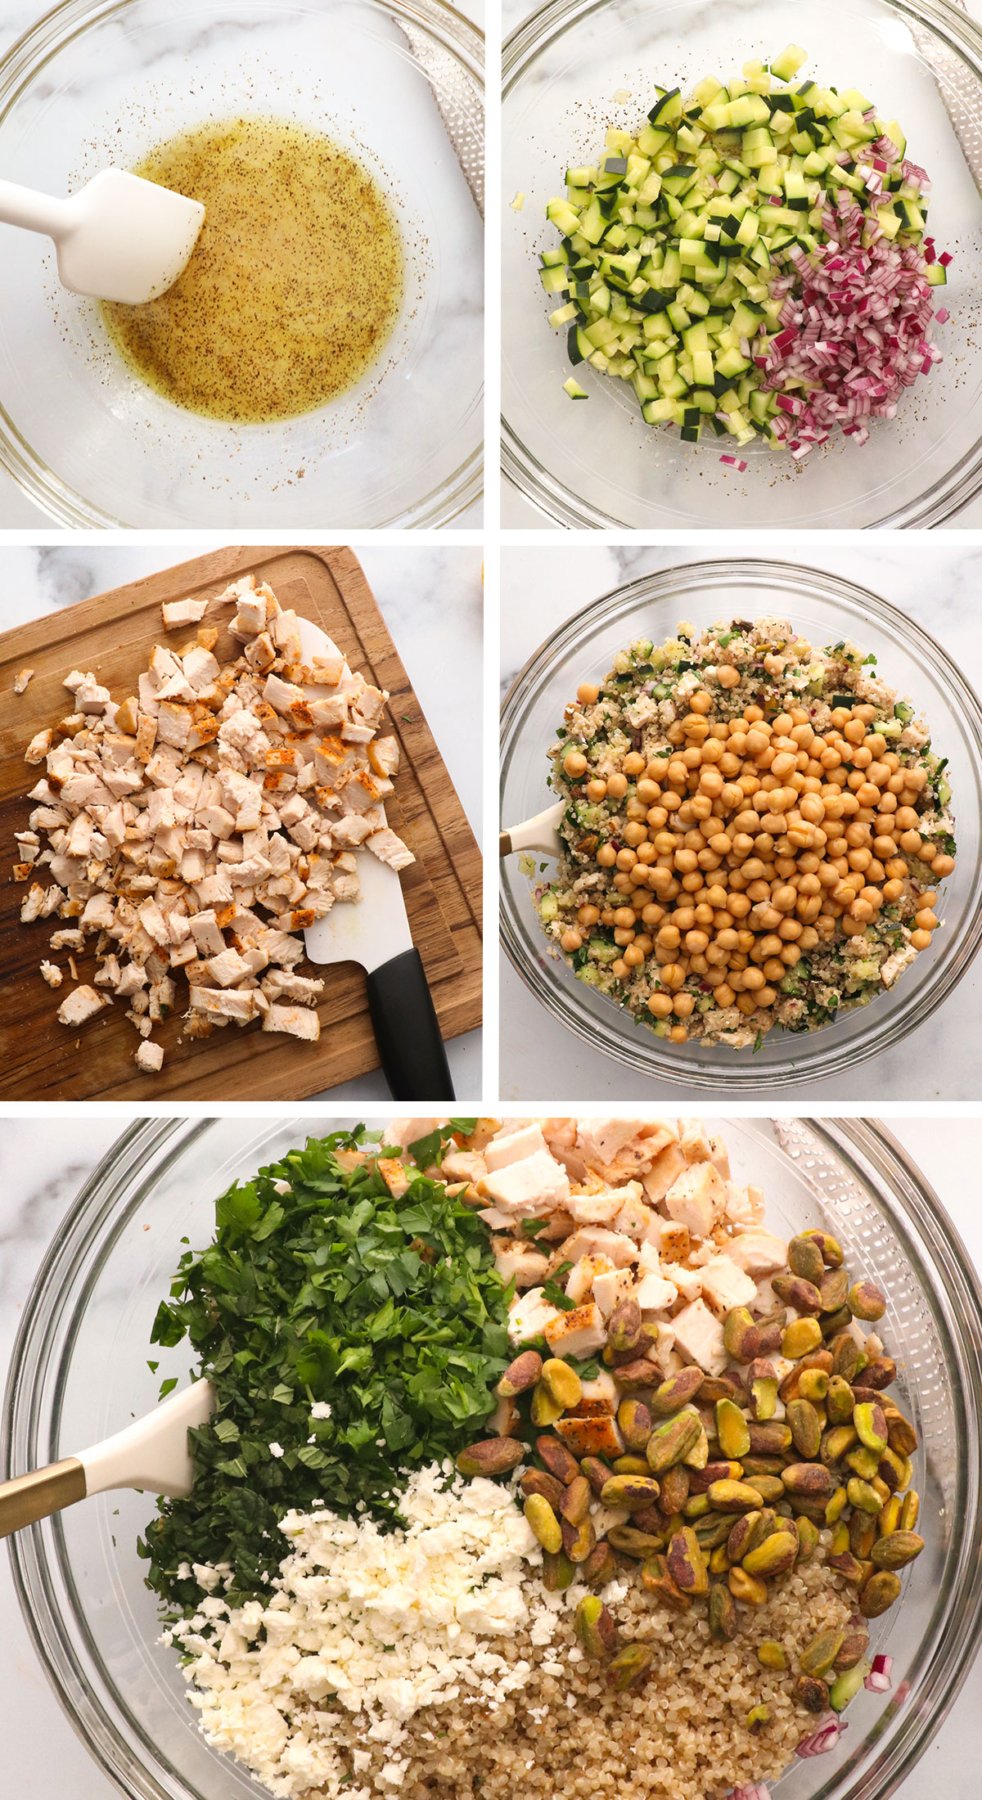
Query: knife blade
[[374, 931]]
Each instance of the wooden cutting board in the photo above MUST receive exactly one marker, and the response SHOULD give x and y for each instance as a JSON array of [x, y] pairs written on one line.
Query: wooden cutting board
[[113, 634]]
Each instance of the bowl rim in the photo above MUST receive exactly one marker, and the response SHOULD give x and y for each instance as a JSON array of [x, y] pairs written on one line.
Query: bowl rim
[[809, 1055], [947, 494], [865, 1148], [20, 64]]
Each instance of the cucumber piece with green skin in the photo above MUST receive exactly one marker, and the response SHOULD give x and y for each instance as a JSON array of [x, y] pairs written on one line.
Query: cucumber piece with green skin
[[786, 66], [574, 390]]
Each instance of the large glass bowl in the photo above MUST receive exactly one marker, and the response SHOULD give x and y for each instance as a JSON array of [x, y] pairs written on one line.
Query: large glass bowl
[[567, 71], [823, 609], [98, 84], [79, 1371]]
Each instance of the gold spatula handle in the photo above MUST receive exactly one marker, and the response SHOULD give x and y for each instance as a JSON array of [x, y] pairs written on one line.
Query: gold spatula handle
[[35, 1496]]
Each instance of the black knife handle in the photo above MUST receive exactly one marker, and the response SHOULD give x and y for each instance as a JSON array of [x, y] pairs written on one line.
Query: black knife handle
[[407, 1031]]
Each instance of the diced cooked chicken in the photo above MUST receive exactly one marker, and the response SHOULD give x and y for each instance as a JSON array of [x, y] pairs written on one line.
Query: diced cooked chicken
[[225, 1003], [207, 819], [23, 680], [655, 1293], [578, 1332], [725, 1285], [694, 1141], [687, 1281], [535, 1184], [595, 1209], [464, 1165], [294, 1021], [529, 1314], [699, 1337], [610, 1289], [149, 1057], [589, 1240], [757, 1253], [696, 1200], [668, 1165], [389, 849], [182, 612], [596, 1436], [39, 746], [81, 1004], [51, 973], [518, 1261], [601, 1392], [634, 1218], [583, 1274], [670, 1239], [511, 1144], [744, 1205]]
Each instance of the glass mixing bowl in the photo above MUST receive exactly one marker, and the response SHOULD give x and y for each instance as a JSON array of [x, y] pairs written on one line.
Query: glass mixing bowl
[[98, 84], [566, 72], [823, 609], [79, 1371]]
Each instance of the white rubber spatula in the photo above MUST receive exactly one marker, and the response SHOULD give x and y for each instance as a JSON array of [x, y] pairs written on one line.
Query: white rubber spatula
[[119, 238], [152, 1453], [540, 833], [375, 932]]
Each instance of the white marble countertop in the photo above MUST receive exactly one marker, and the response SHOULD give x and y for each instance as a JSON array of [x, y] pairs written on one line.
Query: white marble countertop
[[17, 511], [40, 1176], [431, 597], [518, 513], [936, 580]]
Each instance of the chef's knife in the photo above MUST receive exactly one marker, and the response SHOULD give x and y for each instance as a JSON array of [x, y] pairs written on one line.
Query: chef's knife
[[374, 931]]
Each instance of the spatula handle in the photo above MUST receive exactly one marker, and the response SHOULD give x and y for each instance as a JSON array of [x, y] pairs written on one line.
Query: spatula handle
[[28, 1498], [34, 211], [407, 1031]]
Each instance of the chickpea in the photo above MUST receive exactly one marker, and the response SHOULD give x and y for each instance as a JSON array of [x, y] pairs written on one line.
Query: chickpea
[[574, 762], [618, 969], [728, 677], [616, 786], [924, 920], [942, 865], [678, 1034], [571, 940], [920, 939], [633, 956], [683, 1006], [588, 693], [659, 1004], [634, 835], [596, 789], [626, 858], [587, 915], [606, 856]]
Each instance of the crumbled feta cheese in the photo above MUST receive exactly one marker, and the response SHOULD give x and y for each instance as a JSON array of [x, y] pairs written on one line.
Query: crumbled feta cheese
[[379, 1623]]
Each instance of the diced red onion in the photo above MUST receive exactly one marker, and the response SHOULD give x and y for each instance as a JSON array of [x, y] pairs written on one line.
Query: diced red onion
[[823, 1738], [878, 1681], [734, 462], [945, 259], [853, 333], [942, 315], [757, 1792]]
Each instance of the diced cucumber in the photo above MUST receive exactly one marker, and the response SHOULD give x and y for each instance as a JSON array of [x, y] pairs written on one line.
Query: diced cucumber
[[574, 390], [786, 66]]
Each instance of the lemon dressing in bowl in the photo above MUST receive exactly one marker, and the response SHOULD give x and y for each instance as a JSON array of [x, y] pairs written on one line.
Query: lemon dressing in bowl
[[293, 287]]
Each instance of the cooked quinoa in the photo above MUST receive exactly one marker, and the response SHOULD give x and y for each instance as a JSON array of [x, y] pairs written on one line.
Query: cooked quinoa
[[683, 1736], [631, 726]]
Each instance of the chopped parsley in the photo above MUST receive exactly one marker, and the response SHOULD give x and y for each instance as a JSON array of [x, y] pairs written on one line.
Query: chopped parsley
[[391, 1310]]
